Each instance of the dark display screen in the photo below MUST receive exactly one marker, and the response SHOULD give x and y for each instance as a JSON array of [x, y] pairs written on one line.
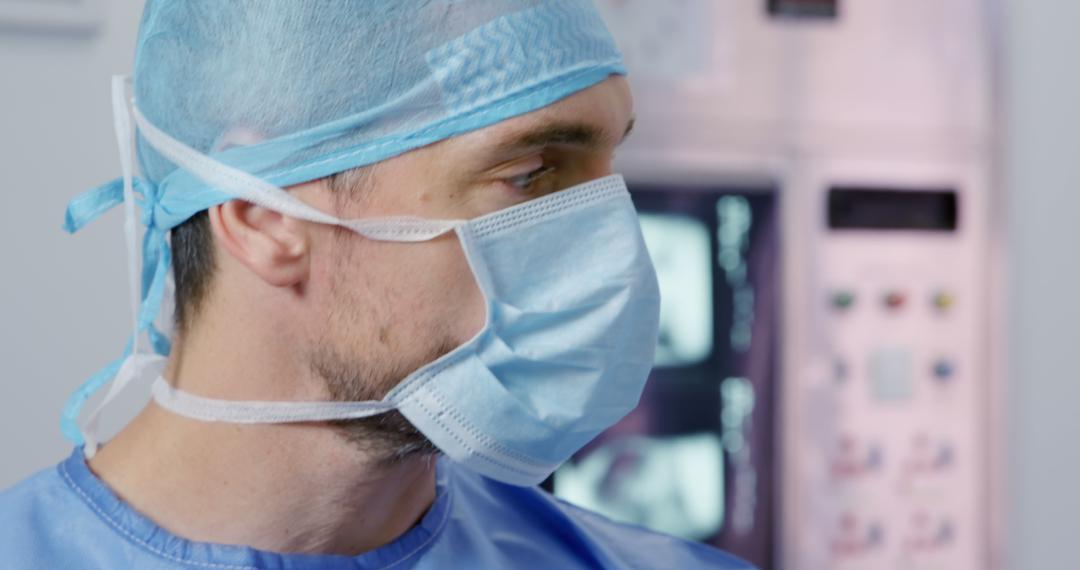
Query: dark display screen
[[810, 8], [853, 208]]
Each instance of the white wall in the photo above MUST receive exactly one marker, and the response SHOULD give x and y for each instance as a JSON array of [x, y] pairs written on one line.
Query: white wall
[[63, 311], [1042, 160]]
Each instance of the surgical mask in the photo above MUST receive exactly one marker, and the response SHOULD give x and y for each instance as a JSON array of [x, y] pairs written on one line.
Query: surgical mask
[[572, 316]]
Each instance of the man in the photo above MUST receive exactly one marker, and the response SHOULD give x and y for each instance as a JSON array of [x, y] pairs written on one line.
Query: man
[[375, 368]]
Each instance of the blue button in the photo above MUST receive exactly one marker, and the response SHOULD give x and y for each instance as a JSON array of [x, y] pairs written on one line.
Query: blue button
[[875, 457], [841, 370], [944, 370]]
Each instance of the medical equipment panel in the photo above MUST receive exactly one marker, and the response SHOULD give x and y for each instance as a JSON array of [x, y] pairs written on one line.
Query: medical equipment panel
[[887, 446], [876, 125]]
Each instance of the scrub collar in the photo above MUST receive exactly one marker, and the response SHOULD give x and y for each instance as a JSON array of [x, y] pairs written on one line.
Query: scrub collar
[[140, 530]]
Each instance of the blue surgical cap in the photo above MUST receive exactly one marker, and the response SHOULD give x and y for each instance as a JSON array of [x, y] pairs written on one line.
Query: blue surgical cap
[[292, 91]]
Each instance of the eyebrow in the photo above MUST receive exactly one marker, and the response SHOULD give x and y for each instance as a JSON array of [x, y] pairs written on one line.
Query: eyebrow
[[561, 133]]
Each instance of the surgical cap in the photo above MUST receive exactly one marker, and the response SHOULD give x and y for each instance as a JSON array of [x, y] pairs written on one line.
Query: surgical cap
[[296, 90]]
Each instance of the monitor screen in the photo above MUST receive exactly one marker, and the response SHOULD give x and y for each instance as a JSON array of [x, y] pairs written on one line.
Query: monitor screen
[[696, 457]]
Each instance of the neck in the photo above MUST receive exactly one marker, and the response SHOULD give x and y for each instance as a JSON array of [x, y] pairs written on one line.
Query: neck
[[294, 488]]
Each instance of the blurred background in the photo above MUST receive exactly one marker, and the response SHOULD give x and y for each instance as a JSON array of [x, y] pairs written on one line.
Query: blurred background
[[864, 217]]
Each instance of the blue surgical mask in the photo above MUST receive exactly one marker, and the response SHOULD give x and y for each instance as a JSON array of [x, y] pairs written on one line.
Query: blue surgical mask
[[572, 314]]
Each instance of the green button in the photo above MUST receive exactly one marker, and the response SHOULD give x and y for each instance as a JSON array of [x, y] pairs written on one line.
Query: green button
[[843, 300]]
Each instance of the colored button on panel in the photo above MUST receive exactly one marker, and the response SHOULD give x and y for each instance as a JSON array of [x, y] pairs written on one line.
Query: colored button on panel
[[843, 300], [875, 457], [943, 301], [895, 300], [944, 457], [944, 370], [841, 370]]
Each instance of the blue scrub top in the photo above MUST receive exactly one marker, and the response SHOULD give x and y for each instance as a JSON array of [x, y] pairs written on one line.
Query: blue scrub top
[[67, 518]]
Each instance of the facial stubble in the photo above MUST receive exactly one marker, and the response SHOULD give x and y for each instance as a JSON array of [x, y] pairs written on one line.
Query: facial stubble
[[367, 373]]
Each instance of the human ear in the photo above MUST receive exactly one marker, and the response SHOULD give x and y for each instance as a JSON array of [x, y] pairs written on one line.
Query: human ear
[[273, 246]]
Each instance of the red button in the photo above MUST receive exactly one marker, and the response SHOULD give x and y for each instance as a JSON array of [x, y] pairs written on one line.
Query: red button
[[895, 300]]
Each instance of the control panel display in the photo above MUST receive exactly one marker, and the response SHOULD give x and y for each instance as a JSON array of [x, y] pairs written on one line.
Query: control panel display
[[808, 8], [853, 208]]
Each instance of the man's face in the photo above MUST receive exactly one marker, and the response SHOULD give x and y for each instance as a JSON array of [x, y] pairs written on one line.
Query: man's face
[[386, 309]]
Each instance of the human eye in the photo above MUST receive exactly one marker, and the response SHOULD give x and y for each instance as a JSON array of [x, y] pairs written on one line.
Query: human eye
[[524, 182]]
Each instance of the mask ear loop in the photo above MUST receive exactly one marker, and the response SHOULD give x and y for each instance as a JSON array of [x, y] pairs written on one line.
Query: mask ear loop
[[124, 142], [135, 361], [245, 186]]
